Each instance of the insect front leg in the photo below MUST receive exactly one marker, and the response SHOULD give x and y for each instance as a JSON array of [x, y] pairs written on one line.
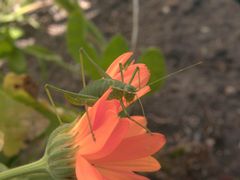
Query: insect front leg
[[121, 71], [136, 71], [98, 68]]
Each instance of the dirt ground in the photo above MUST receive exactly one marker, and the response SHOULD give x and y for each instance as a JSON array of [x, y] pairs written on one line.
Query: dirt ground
[[197, 110]]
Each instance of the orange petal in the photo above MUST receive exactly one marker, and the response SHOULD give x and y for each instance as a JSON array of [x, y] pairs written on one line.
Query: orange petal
[[88, 145], [113, 69], [139, 94], [102, 112], [120, 175], [138, 80], [135, 129], [136, 147], [81, 128], [97, 117], [147, 164], [84, 170], [115, 139]]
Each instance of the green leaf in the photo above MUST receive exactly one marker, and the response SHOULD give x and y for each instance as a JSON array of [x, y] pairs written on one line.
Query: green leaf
[[1, 142], [6, 46], [69, 5], [15, 32], [117, 45], [3, 167], [76, 39], [42, 53], [15, 86], [155, 62], [15, 123], [95, 35], [17, 61], [76, 31]]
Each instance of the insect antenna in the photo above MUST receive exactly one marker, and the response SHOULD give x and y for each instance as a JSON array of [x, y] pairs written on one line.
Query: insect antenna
[[99, 69], [129, 117], [174, 73]]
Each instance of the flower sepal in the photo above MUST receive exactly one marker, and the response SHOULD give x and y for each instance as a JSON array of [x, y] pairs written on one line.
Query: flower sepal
[[60, 154]]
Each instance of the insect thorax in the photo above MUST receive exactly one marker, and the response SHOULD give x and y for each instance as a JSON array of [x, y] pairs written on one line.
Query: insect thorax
[[120, 90]]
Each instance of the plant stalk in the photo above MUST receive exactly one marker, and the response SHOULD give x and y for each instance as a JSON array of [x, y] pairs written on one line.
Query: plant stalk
[[35, 167]]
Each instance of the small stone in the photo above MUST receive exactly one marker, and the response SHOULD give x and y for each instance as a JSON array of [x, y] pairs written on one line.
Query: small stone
[[230, 90], [166, 9], [210, 142], [205, 29]]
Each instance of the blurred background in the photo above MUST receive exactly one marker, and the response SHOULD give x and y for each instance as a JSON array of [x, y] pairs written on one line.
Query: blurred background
[[198, 110]]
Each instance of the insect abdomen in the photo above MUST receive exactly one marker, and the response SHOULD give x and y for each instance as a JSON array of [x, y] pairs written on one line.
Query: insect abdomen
[[96, 88]]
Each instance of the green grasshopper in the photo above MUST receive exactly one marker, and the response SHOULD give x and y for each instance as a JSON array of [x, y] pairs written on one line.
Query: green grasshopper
[[95, 89]]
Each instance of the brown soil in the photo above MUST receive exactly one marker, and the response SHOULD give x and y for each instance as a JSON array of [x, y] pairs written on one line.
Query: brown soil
[[197, 110]]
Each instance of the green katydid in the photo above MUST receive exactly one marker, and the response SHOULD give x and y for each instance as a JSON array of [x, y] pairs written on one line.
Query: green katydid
[[94, 90]]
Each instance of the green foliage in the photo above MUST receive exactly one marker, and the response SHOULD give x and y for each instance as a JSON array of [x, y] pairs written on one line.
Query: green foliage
[[5, 47], [77, 38], [17, 61], [15, 129], [3, 167], [76, 30], [69, 5], [11, 30], [116, 46], [155, 62], [31, 114], [45, 55], [83, 34], [15, 32], [8, 50]]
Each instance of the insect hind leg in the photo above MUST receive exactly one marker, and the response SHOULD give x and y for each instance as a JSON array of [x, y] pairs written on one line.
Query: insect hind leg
[[89, 122], [84, 85], [130, 118]]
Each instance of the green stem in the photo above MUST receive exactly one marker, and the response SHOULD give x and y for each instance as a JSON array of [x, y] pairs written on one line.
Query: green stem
[[38, 166]]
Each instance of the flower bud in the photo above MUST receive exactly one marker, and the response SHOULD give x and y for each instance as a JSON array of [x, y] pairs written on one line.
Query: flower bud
[[60, 154]]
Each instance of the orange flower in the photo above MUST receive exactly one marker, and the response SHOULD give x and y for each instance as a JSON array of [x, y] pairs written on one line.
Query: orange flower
[[144, 76], [121, 147]]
